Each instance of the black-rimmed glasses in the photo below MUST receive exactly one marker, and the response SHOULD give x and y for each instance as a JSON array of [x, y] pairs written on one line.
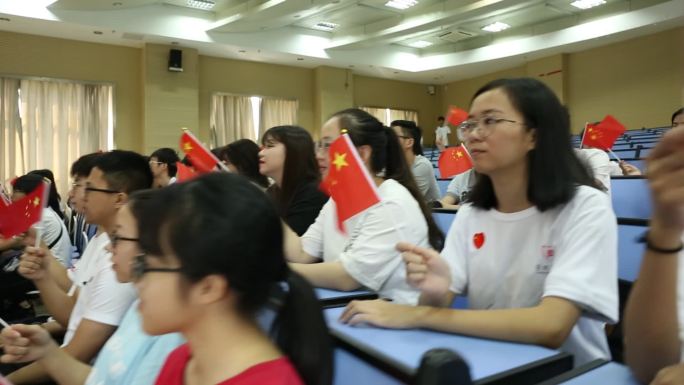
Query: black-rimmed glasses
[[484, 125], [115, 238], [102, 190], [140, 268]]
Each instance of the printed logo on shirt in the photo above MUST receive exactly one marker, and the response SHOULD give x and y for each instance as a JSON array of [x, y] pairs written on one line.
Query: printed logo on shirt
[[478, 240], [547, 254]]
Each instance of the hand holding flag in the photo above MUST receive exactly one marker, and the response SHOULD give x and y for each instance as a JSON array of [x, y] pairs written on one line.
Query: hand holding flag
[[348, 182], [454, 161], [603, 134]]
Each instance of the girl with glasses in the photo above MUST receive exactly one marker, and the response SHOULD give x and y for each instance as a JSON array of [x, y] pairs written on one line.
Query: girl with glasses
[[212, 264], [535, 249]]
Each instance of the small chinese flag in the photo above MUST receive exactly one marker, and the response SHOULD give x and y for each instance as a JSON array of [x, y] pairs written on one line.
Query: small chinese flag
[[456, 116], [184, 173], [19, 216], [603, 134], [348, 182], [201, 158], [454, 161]]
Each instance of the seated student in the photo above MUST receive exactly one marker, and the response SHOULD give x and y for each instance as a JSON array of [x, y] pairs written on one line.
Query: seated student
[[54, 231], [93, 306], [79, 172], [242, 157], [654, 317], [535, 249], [163, 166], [211, 265], [130, 357], [410, 136], [288, 157], [366, 254], [458, 189]]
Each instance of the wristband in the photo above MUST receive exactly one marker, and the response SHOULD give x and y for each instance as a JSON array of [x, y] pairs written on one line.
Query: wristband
[[650, 246]]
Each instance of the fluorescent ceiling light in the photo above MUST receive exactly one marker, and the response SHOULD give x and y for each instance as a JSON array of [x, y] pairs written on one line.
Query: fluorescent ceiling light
[[420, 44], [401, 4], [201, 4], [326, 26], [496, 27], [586, 4]]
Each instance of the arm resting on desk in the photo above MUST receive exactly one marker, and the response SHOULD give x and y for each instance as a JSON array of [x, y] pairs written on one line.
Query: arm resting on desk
[[293, 247], [651, 322], [547, 324], [329, 275]]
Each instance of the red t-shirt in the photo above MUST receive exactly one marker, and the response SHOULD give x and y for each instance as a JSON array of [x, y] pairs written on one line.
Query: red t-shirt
[[276, 372]]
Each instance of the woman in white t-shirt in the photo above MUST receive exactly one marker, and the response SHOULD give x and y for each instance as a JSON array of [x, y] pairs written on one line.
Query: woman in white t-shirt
[[535, 248], [366, 255], [654, 317]]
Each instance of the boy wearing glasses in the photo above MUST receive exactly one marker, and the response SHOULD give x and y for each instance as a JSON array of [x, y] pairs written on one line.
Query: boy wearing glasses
[[92, 308]]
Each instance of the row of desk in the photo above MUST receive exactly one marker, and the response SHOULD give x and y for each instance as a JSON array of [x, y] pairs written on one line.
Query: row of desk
[[369, 355]]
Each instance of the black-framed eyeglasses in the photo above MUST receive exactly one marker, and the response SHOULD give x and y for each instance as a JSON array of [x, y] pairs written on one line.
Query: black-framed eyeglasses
[[140, 268], [102, 190], [404, 137], [323, 145], [485, 125], [115, 238]]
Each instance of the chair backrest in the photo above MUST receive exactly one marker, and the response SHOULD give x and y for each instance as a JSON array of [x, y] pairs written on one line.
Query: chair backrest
[[630, 250], [631, 197], [444, 218], [443, 184]]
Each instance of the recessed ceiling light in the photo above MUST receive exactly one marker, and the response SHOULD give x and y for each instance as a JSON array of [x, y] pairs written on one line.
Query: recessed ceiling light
[[420, 44], [300, 58], [174, 43], [496, 27], [4, 19], [401, 4], [326, 26], [117, 4], [97, 32], [201, 4], [586, 4], [242, 51]]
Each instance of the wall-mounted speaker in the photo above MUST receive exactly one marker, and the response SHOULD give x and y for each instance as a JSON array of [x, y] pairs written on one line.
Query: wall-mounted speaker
[[431, 90], [176, 60]]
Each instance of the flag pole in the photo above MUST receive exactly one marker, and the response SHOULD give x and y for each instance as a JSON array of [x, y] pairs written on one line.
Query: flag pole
[[584, 133], [39, 228], [219, 163], [4, 323], [615, 155]]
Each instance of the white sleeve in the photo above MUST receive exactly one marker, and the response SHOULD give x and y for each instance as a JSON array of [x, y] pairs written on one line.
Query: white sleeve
[[615, 169], [312, 240], [455, 251], [455, 187], [371, 256], [108, 300], [585, 261], [423, 175]]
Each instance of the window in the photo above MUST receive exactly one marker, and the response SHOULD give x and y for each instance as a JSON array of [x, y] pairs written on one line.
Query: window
[[388, 115]]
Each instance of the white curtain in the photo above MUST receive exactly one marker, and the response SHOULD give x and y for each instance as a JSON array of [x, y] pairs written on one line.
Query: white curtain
[[231, 118], [10, 131], [403, 115], [62, 121], [277, 112], [379, 113]]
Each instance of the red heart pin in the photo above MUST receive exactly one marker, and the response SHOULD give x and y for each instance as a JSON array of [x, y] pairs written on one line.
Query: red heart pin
[[478, 240]]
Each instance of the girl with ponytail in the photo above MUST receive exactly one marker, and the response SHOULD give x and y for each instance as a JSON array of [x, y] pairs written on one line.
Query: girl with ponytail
[[213, 263], [367, 256]]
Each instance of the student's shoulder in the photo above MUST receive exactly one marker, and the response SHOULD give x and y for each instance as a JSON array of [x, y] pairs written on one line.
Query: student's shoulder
[[587, 198]]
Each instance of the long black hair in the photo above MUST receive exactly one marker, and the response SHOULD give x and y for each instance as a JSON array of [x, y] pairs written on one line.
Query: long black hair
[[244, 155], [387, 157], [29, 182], [553, 168], [676, 114], [300, 166], [222, 224]]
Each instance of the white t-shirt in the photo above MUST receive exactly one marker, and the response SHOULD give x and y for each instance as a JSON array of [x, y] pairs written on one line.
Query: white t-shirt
[[368, 250], [460, 185], [513, 260], [52, 226], [424, 174], [598, 162], [442, 134], [101, 298]]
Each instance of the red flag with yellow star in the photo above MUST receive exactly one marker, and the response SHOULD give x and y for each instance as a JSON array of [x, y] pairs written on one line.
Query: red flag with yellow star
[[454, 161], [202, 159], [456, 116], [603, 134], [19, 216], [185, 173], [348, 182]]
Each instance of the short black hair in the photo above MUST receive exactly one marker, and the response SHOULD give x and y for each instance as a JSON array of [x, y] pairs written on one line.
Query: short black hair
[[440, 118], [125, 171], [677, 113], [169, 157], [82, 166], [409, 128], [553, 168]]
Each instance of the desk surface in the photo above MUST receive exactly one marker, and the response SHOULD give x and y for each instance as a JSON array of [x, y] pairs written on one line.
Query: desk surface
[[404, 348], [328, 294], [610, 373]]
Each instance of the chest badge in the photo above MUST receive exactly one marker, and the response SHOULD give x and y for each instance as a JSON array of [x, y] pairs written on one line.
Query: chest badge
[[478, 240]]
